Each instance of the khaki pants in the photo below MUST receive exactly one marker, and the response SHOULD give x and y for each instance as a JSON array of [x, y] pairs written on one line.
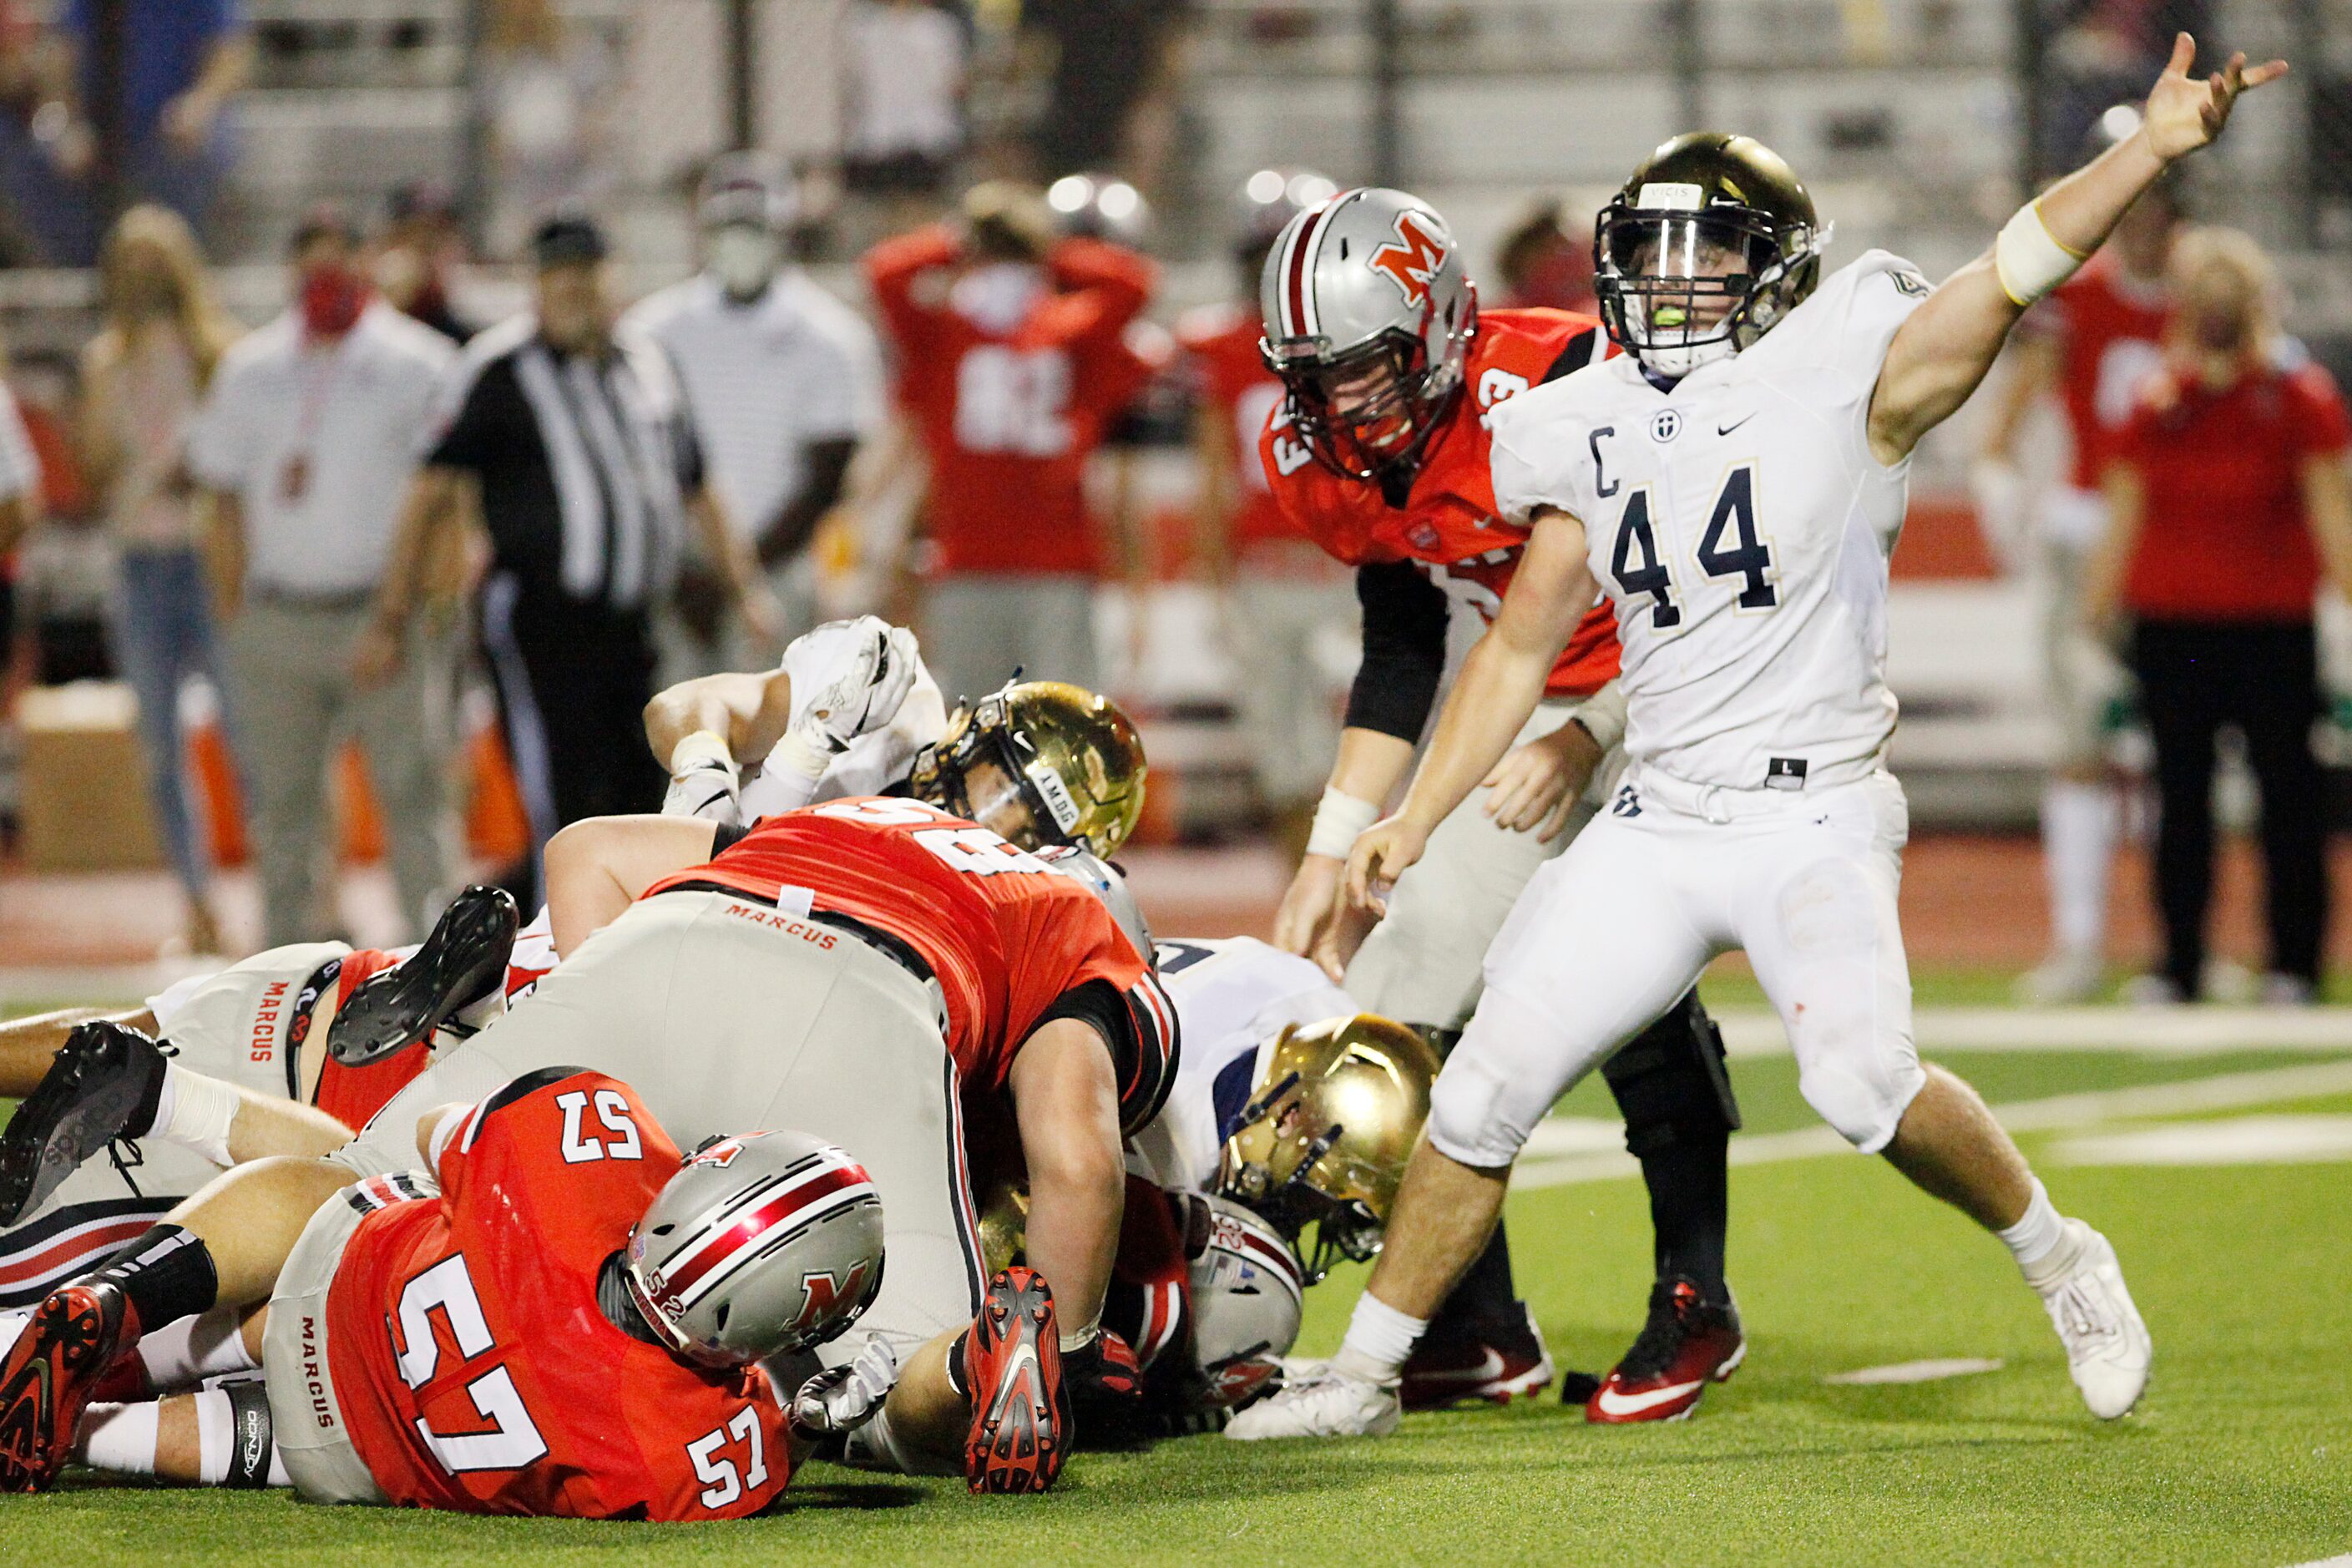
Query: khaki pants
[[1422, 964], [978, 630], [1290, 705], [728, 1015], [290, 663]]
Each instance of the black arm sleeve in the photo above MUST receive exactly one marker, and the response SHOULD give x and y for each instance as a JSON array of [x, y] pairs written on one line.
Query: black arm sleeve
[[1404, 650], [1138, 1028]]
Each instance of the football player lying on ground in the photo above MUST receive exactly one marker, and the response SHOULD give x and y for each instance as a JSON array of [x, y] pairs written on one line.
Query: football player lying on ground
[[852, 692], [1734, 486], [565, 1318], [856, 968]]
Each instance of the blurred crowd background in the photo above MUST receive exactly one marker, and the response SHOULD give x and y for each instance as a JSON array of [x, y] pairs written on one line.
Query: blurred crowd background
[[294, 292]]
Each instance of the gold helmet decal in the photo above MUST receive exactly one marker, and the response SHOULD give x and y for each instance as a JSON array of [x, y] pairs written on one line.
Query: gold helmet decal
[[1334, 1109], [1069, 758]]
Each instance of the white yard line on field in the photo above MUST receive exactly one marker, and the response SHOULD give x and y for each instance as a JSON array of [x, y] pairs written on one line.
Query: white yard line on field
[[2154, 1031], [1567, 1150], [1934, 1371]]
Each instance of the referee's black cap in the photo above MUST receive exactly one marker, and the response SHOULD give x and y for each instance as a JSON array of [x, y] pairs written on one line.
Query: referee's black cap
[[567, 238]]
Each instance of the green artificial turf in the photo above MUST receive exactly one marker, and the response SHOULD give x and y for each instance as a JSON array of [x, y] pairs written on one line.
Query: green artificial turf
[[2240, 1453]]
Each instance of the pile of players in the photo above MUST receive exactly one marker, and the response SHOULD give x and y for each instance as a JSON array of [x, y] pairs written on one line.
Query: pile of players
[[561, 1268]]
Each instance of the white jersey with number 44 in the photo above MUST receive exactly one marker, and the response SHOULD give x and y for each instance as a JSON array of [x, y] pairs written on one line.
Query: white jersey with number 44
[[1742, 527]]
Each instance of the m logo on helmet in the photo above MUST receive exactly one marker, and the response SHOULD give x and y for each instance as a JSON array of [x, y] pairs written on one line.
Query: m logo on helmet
[[822, 1295], [1411, 260]]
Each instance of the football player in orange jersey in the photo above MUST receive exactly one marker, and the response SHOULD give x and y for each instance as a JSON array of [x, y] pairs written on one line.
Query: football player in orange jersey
[[565, 1318], [1379, 453]]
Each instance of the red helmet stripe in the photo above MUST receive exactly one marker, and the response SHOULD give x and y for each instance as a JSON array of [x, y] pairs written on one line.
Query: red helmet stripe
[[1277, 1258], [713, 1257], [1298, 300]]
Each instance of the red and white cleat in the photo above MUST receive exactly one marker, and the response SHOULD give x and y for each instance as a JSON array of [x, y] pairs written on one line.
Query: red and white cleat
[[52, 1372], [1500, 1364], [1687, 1343], [1021, 1427]]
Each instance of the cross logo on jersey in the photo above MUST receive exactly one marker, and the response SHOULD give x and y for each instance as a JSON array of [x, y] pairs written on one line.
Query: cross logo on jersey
[[1411, 260]]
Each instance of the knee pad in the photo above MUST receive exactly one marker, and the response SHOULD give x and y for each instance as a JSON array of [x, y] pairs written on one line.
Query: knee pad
[[1670, 1084], [1469, 1118]]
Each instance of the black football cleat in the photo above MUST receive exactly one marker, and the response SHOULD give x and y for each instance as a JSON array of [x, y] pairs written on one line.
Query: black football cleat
[[459, 963], [1687, 1343], [1494, 1363], [50, 1376], [101, 1087]]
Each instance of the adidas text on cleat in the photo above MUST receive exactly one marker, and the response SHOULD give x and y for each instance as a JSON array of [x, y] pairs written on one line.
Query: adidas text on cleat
[[96, 1085], [1020, 1428], [1687, 1343], [464, 958]]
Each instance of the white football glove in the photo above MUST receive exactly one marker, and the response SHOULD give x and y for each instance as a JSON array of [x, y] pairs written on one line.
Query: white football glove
[[868, 692], [704, 780], [844, 1398]]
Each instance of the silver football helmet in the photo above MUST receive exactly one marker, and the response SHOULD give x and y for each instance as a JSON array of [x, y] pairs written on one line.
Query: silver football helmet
[[1247, 1298], [1109, 883], [762, 1245], [1369, 317]]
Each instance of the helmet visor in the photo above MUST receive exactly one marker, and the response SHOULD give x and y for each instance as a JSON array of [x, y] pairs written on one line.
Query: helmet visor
[[1677, 279], [994, 796]]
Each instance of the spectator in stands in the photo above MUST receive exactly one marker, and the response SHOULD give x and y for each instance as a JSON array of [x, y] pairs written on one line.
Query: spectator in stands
[[1542, 261], [544, 89], [158, 88], [305, 443], [904, 62], [1011, 361], [782, 380], [572, 442], [420, 244], [2229, 506], [144, 376]]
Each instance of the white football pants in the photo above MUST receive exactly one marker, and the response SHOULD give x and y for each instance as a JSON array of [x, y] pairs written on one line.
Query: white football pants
[[1614, 931]]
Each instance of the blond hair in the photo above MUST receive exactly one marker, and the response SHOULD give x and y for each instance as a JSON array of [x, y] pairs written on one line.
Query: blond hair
[[205, 327], [2235, 251]]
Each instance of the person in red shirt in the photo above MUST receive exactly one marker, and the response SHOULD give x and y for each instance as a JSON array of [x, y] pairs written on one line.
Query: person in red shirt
[[1012, 359], [1377, 452], [1288, 599], [564, 1320], [2231, 507], [2086, 348]]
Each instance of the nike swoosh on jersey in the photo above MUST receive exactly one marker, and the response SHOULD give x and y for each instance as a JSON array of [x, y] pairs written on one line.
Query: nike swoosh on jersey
[[1728, 429], [1615, 1404]]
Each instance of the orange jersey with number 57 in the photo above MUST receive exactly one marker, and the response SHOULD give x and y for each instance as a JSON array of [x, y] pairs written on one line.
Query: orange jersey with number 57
[[474, 1369], [1447, 525]]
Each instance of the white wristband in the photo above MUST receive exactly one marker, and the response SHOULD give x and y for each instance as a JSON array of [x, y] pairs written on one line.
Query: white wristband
[[2029, 259], [1602, 715], [1340, 820]]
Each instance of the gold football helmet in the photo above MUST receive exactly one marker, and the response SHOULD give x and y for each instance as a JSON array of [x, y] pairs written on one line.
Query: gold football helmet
[[1004, 1223], [1333, 1112], [1040, 762]]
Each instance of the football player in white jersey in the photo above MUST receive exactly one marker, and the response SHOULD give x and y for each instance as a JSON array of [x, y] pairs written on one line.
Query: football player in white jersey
[[1734, 485]]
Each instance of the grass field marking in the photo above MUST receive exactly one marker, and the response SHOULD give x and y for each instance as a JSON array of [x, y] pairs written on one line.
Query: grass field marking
[[2154, 1031], [1934, 1370], [2059, 1112], [2235, 1141]]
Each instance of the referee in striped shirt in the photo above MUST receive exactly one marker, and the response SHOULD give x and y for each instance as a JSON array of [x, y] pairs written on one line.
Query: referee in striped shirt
[[569, 441]]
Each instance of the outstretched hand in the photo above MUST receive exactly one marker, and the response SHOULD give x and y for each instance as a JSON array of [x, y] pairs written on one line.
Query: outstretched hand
[[2185, 113], [1382, 854]]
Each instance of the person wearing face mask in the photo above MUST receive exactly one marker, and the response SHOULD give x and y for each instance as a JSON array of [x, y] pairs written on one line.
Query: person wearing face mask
[[1012, 359], [2230, 510], [568, 437], [143, 377], [305, 441], [783, 381]]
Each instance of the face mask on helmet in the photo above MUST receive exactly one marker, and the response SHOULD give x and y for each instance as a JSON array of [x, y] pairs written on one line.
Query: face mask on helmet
[[1039, 763], [1684, 289], [1366, 413]]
